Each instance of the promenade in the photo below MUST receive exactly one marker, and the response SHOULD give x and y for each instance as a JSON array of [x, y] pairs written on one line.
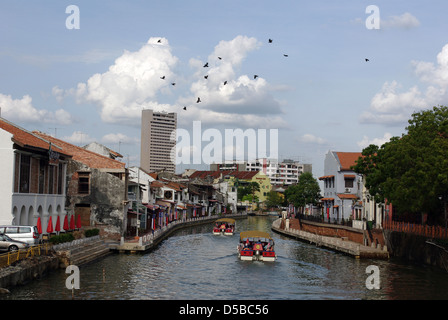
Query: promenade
[[342, 245], [151, 240]]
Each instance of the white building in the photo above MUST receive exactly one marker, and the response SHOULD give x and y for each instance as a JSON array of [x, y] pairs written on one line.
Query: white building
[[157, 144], [285, 173], [33, 178]]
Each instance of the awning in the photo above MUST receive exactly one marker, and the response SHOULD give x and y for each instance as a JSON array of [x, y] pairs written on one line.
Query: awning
[[326, 177], [349, 176], [327, 199], [347, 196]]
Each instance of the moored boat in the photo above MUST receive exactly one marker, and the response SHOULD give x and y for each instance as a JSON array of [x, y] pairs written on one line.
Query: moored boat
[[225, 226], [256, 245]]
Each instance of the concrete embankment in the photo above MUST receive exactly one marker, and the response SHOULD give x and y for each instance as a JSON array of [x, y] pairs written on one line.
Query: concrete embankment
[[342, 245], [26, 270]]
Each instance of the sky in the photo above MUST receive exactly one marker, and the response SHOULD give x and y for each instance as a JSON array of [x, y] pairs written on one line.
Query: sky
[[85, 73]]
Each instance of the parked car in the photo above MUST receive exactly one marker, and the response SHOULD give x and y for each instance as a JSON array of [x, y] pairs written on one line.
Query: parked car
[[26, 234], [8, 244]]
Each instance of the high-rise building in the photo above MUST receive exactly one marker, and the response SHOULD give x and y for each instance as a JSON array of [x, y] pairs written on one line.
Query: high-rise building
[[156, 143]]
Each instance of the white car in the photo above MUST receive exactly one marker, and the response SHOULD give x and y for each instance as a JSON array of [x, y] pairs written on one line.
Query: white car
[[8, 244]]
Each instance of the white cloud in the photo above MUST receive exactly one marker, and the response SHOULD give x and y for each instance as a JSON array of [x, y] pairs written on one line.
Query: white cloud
[[392, 107], [119, 137], [365, 142], [78, 138], [131, 83], [309, 138], [23, 110], [241, 94], [404, 21]]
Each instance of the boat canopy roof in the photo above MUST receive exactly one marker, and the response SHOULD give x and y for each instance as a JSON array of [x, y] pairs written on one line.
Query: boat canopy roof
[[228, 220], [254, 234]]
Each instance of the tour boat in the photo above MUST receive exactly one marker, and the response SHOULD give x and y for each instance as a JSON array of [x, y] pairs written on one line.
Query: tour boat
[[256, 245], [225, 226]]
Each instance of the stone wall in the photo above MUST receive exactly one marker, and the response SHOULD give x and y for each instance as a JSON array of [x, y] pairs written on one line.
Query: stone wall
[[416, 248]]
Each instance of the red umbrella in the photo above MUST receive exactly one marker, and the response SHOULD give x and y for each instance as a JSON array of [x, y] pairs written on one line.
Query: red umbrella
[[65, 223], [78, 222], [50, 226], [72, 222], [39, 226], [58, 225]]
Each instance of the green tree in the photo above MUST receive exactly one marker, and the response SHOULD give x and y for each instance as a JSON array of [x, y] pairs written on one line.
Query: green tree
[[306, 191], [411, 171], [274, 199]]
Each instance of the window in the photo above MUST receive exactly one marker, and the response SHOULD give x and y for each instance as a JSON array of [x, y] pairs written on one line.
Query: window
[[42, 176], [60, 172], [25, 165], [50, 179], [349, 183], [83, 182]]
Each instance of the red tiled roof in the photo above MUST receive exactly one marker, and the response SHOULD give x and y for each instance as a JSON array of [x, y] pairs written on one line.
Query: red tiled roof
[[326, 177], [347, 196], [347, 159], [26, 138], [89, 158]]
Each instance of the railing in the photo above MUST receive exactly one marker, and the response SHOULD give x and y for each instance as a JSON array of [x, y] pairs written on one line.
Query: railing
[[10, 257], [423, 230], [148, 238]]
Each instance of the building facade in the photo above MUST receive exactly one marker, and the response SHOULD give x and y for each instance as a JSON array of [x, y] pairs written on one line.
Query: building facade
[[342, 187], [157, 143], [33, 184], [284, 173], [97, 189]]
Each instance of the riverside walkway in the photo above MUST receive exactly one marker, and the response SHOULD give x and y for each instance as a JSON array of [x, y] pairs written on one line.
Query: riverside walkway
[[351, 248], [150, 240]]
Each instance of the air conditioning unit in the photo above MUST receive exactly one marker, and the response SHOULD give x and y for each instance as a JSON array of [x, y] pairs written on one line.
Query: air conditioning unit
[[348, 190]]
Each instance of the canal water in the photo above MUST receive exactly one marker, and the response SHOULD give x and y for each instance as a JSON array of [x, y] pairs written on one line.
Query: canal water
[[194, 264]]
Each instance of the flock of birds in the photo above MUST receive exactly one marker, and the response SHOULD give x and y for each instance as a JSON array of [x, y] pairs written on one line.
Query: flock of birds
[[225, 82]]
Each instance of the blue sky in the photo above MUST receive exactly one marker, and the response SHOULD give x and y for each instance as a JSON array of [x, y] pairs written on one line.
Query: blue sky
[[90, 84]]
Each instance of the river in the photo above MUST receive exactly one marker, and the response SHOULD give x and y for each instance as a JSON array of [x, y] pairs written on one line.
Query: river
[[193, 264]]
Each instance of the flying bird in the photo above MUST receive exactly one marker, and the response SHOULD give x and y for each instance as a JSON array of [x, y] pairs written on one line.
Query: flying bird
[[270, 40], [199, 100], [173, 83], [185, 108], [255, 76], [219, 58], [206, 65], [225, 82], [367, 60], [159, 41], [205, 77], [285, 55], [163, 77]]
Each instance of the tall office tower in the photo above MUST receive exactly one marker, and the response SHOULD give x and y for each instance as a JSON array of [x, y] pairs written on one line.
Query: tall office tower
[[156, 146]]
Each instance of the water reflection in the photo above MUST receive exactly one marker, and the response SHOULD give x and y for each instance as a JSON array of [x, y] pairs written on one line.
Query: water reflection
[[194, 264]]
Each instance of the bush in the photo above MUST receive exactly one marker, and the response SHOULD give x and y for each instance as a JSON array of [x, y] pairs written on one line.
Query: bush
[[91, 232], [64, 237]]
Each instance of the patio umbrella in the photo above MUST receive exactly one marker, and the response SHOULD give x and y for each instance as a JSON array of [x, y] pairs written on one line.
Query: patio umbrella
[[57, 228], [78, 222], [39, 226], [50, 225], [72, 222], [66, 223]]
